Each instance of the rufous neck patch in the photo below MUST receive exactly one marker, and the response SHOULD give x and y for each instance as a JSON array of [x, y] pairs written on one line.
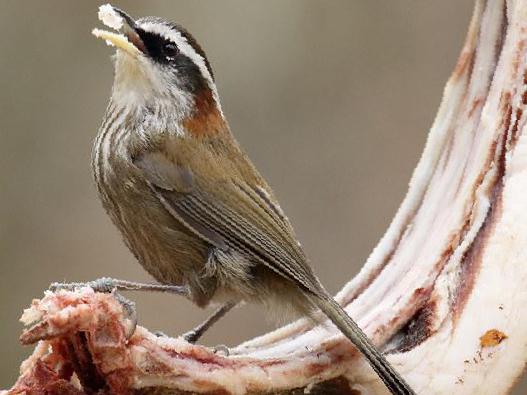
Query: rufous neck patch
[[206, 119]]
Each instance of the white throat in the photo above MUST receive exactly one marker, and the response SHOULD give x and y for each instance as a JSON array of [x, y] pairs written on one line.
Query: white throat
[[139, 84]]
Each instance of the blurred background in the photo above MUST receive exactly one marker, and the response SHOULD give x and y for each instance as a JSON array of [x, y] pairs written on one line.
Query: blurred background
[[332, 101]]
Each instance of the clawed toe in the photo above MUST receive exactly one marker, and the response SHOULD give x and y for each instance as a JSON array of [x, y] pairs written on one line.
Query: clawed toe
[[54, 287], [221, 349], [191, 336], [105, 285], [130, 312]]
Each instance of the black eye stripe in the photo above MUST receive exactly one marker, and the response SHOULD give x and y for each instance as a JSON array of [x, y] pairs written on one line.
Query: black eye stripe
[[184, 33], [194, 44], [158, 47]]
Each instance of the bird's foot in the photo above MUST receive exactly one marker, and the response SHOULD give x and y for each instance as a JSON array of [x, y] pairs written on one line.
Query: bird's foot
[[195, 334], [221, 349], [103, 284], [192, 336], [107, 284]]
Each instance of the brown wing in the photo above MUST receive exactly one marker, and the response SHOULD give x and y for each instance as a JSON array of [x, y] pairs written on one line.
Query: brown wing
[[229, 214]]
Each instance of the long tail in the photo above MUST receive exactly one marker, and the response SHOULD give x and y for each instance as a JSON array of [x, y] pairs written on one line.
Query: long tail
[[395, 383]]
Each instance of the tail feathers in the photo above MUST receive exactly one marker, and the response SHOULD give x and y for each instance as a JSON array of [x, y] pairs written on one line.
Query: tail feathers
[[395, 383]]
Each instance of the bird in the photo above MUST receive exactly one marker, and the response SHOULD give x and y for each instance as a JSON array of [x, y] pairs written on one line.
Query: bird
[[188, 201]]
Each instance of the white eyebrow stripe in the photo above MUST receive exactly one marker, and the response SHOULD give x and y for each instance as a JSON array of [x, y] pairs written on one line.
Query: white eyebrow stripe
[[183, 45]]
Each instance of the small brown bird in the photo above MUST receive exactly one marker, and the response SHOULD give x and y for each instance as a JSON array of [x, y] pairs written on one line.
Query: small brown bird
[[188, 201]]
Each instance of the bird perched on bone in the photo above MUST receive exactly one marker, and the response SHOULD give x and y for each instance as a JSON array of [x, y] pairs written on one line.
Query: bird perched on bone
[[190, 205]]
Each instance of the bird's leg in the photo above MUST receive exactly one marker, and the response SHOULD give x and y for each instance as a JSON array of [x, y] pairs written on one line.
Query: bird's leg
[[106, 284], [111, 285], [194, 335]]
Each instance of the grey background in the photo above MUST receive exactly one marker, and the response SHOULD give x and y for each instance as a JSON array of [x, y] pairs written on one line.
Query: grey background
[[332, 100]]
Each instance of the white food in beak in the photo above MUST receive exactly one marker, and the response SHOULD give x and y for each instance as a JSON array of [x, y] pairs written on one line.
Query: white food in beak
[[110, 17]]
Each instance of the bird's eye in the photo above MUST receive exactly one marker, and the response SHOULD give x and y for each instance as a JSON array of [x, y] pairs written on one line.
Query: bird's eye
[[170, 50]]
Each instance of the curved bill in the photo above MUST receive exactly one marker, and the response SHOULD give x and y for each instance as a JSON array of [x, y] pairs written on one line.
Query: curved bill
[[117, 40]]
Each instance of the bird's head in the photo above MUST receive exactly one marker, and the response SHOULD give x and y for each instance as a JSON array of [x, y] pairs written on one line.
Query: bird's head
[[160, 66]]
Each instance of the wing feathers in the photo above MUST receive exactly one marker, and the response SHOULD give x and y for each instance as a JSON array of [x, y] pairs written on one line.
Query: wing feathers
[[230, 214]]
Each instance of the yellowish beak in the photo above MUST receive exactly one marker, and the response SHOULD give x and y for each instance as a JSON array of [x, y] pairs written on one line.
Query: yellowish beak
[[117, 40]]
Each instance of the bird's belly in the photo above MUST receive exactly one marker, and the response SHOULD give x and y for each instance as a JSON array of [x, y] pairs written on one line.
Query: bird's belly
[[163, 246]]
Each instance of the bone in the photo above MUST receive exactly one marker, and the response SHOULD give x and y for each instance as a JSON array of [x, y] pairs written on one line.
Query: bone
[[442, 293]]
